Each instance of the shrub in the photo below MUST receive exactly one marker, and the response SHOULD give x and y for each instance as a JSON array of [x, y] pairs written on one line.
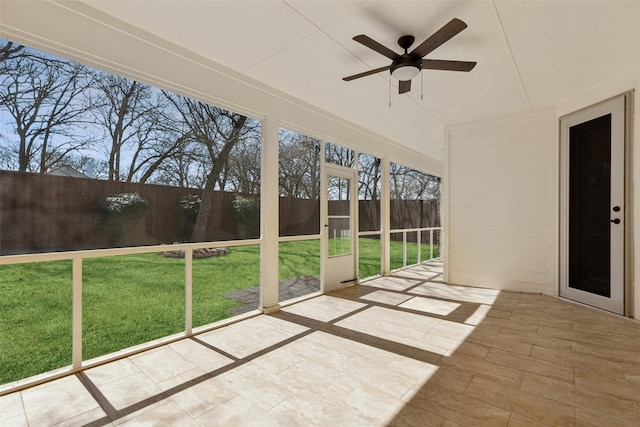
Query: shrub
[[247, 213], [188, 208], [125, 204]]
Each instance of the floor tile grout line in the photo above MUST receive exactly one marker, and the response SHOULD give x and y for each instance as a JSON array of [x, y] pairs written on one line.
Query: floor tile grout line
[[165, 394], [408, 310], [214, 348], [99, 397], [364, 338]]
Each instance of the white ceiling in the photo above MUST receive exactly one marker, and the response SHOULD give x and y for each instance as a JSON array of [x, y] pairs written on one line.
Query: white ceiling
[[530, 54]]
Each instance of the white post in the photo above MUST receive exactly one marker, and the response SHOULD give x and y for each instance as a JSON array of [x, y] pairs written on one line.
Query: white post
[[188, 291], [431, 243], [385, 213], [404, 249], [76, 316], [269, 217]]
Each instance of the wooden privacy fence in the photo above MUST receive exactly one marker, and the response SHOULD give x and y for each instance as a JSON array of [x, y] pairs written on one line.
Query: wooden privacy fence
[[46, 213]]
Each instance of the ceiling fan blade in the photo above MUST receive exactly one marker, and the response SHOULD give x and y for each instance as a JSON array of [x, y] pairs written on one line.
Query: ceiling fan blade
[[445, 33], [366, 73], [438, 64], [404, 87], [374, 45]]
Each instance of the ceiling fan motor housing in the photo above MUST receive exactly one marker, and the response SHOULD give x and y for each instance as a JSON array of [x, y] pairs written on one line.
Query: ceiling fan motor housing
[[406, 67]]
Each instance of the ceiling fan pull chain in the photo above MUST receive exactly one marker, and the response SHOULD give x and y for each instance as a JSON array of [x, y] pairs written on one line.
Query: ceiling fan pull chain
[[389, 92], [421, 86]]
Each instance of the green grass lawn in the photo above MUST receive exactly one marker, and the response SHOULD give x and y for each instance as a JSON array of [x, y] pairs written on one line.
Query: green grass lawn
[[133, 299]]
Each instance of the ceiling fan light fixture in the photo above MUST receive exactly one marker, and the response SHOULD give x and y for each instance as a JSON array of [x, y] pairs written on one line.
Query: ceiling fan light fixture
[[405, 72]]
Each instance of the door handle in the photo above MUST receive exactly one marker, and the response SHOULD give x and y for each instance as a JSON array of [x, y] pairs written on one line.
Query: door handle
[[615, 221]]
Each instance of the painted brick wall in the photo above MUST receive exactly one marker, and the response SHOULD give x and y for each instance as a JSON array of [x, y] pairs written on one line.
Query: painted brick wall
[[502, 187]]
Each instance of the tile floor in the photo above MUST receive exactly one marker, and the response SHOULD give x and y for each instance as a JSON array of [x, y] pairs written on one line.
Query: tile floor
[[405, 350]]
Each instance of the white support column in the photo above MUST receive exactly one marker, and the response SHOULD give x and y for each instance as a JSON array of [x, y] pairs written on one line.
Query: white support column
[[385, 213], [444, 209], [76, 316], [324, 227], [269, 217], [188, 291]]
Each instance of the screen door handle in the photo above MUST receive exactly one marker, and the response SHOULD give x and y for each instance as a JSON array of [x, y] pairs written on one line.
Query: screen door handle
[[615, 221]]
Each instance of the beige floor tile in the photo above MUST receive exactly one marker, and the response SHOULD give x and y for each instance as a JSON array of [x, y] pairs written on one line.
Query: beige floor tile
[[586, 417], [162, 364], [372, 405], [19, 420], [612, 406], [96, 416], [240, 411], [245, 338], [518, 420], [11, 407], [386, 297], [459, 408], [456, 293], [479, 313], [324, 308], [451, 378], [260, 386], [167, 414], [200, 355], [316, 411], [394, 283], [112, 371], [537, 408], [430, 305], [572, 359], [472, 349], [501, 343], [593, 380], [183, 379], [390, 383], [414, 416], [509, 325], [58, 401], [404, 328], [135, 412], [527, 364], [278, 360], [631, 372], [322, 348], [579, 336], [607, 353], [203, 397], [485, 369], [551, 388], [535, 339], [130, 391], [549, 321]]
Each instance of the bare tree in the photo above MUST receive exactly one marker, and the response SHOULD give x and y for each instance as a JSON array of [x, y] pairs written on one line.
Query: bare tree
[[299, 164], [339, 155], [409, 184], [216, 132], [128, 113], [9, 50], [369, 177], [42, 96], [242, 172]]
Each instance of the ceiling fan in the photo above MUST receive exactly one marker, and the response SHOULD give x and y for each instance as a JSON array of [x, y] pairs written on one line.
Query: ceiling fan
[[408, 65]]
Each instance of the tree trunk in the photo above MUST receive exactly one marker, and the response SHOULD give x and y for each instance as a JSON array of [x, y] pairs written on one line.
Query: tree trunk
[[200, 228]]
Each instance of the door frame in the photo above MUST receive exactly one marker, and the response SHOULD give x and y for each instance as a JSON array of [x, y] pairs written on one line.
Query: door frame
[[619, 302], [352, 175]]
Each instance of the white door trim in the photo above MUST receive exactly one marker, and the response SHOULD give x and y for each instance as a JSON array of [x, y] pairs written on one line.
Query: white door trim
[[616, 107], [340, 269]]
